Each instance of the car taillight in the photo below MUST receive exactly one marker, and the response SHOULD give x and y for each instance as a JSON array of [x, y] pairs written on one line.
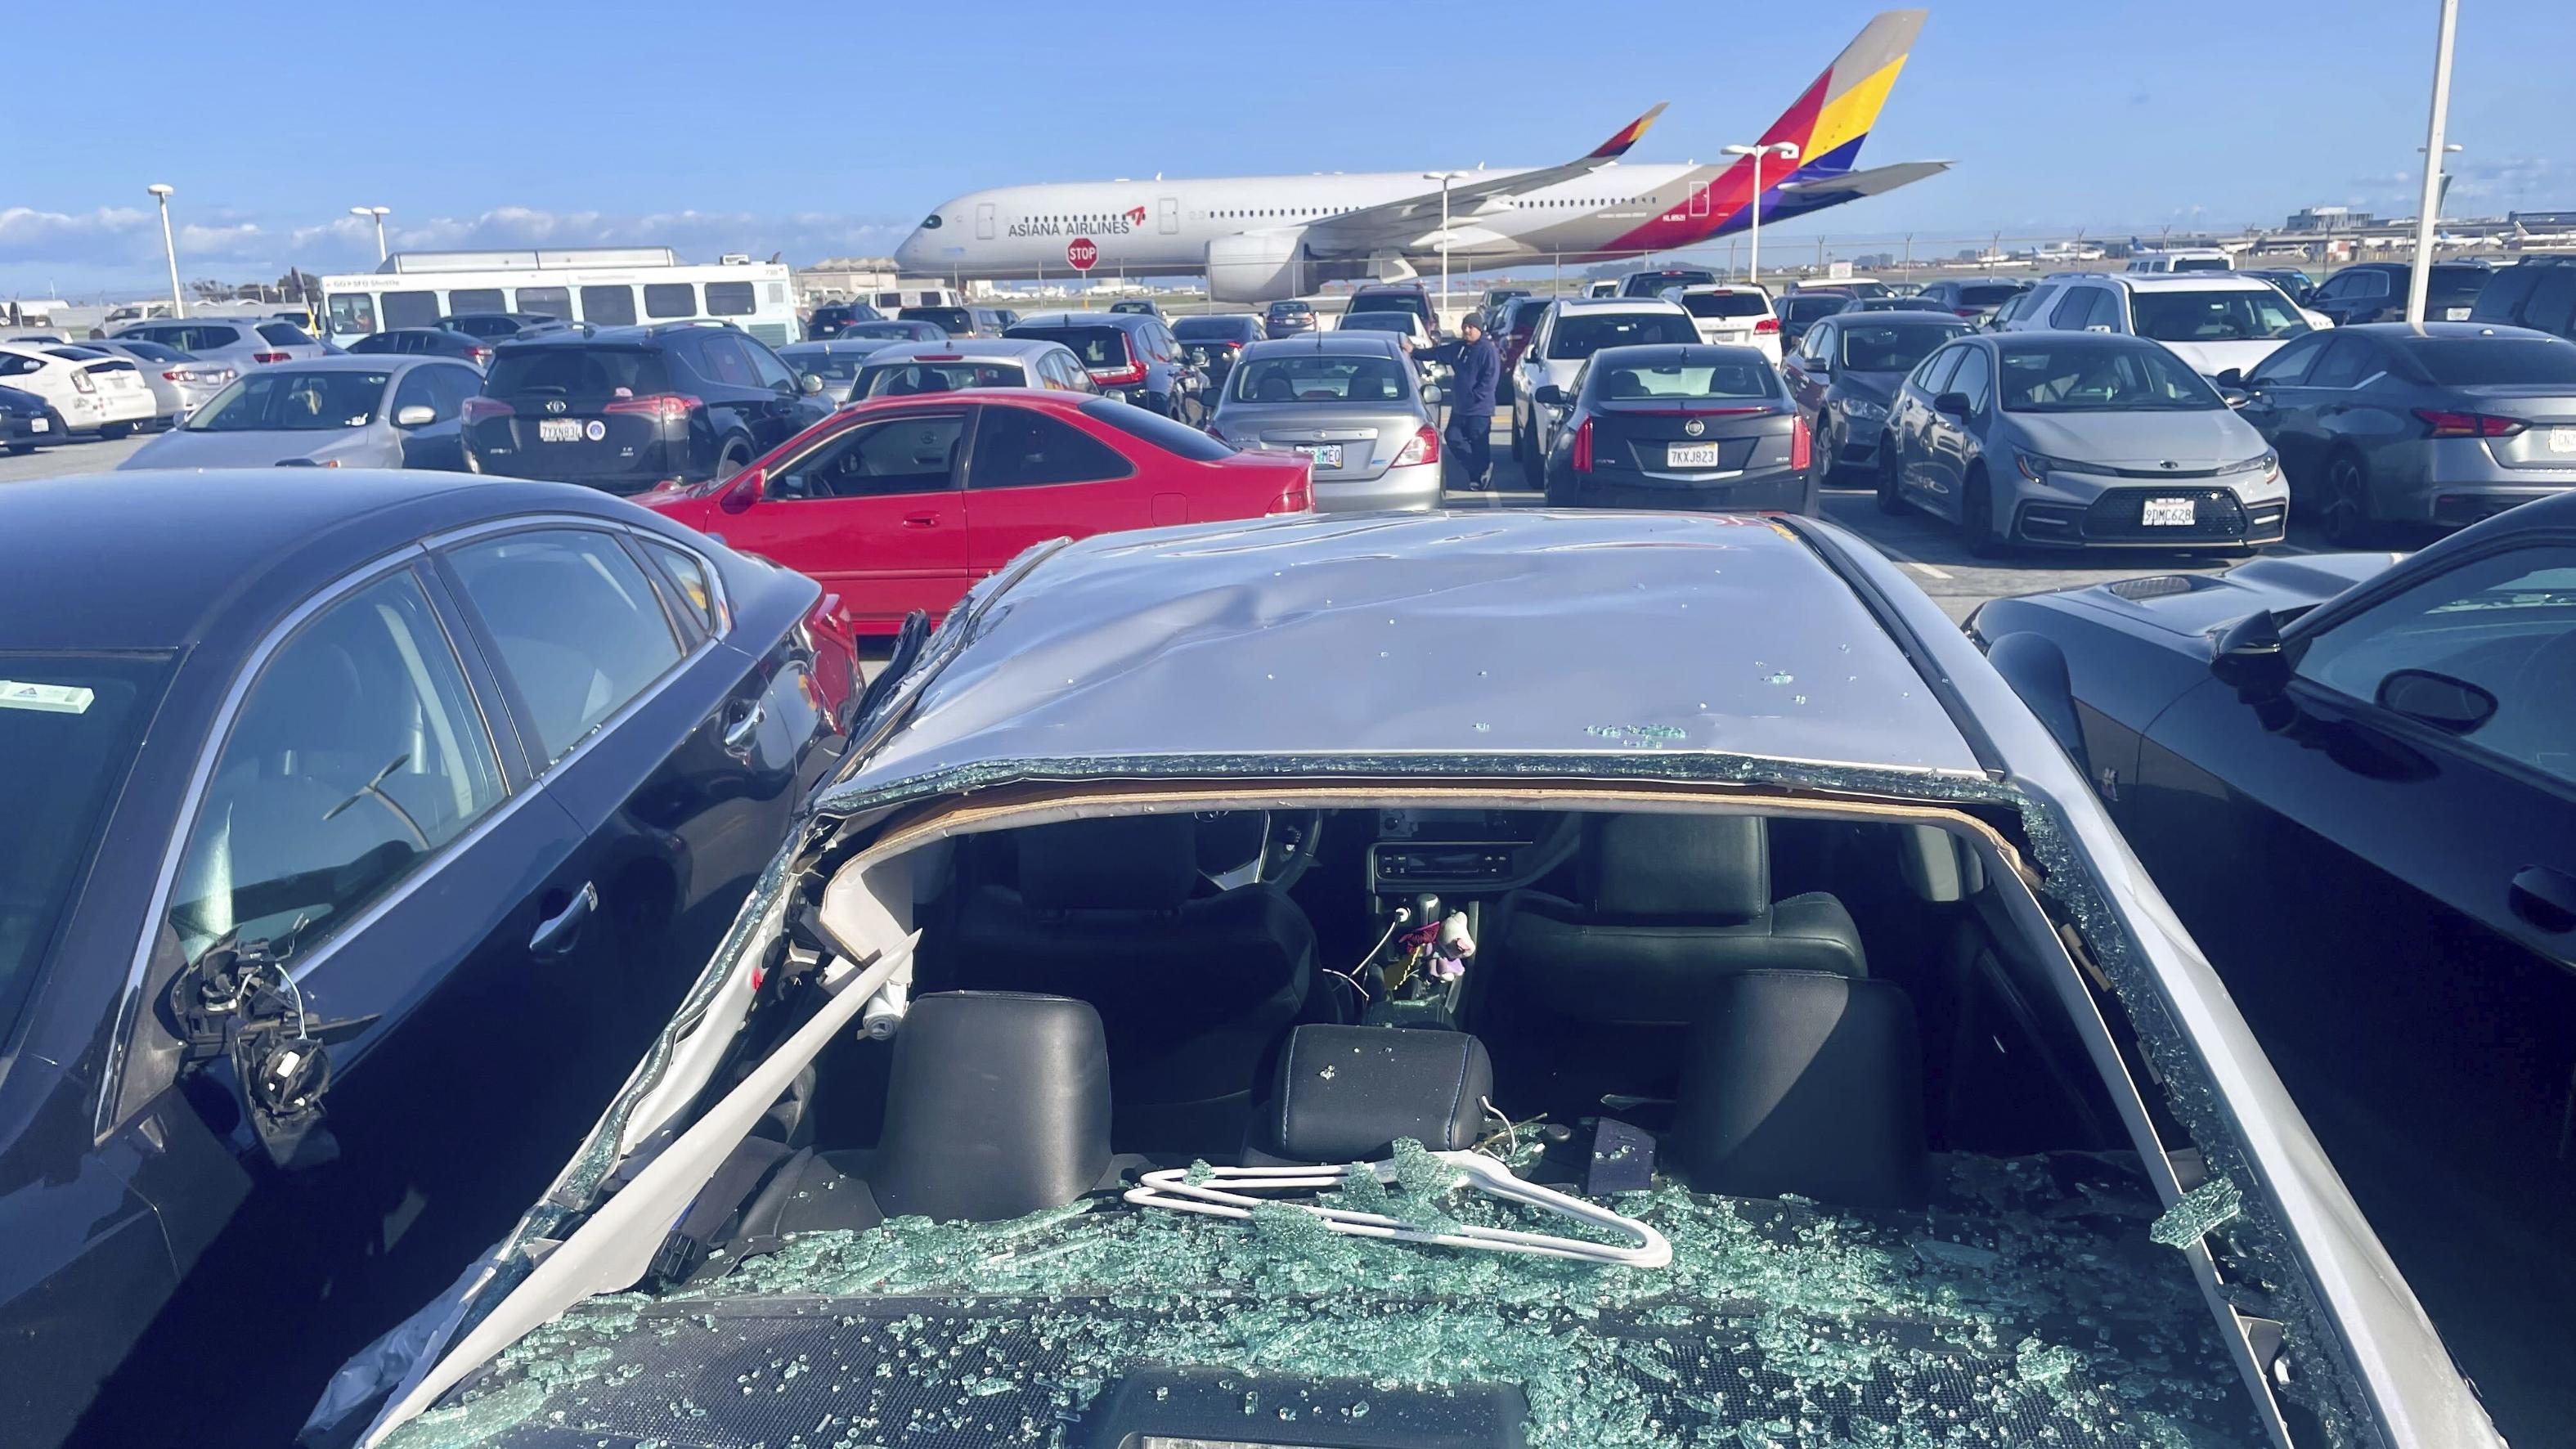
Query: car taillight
[[661, 407], [481, 409], [81, 382], [1583, 447], [1425, 448], [1119, 376], [481, 355], [265, 358], [2469, 425], [1801, 446], [1766, 326]]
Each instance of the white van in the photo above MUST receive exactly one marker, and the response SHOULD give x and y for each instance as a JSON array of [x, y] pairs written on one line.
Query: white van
[[2183, 259], [895, 299]]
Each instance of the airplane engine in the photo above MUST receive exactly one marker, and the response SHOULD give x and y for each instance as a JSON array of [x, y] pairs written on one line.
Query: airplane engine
[[1256, 267]]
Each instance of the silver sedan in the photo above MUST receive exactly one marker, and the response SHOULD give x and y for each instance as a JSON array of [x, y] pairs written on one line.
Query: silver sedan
[[1350, 402]]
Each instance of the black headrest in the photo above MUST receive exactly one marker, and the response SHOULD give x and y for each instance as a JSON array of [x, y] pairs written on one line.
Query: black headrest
[[1704, 869], [1345, 1093], [997, 1105], [1116, 863], [1807, 1082]]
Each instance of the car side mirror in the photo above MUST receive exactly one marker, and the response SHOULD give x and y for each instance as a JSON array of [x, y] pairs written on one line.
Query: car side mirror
[[1954, 404], [2233, 379], [2451, 705], [812, 383], [1548, 395], [2248, 655], [1431, 395], [743, 491], [415, 416]]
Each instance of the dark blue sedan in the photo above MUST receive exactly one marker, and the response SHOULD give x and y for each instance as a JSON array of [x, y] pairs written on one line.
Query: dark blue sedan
[[355, 834]]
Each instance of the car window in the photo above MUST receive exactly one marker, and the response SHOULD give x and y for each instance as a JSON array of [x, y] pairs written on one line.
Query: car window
[[410, 309], [2076, 310], [1018, 447], [1311, 377], [2091, 375], [1886, 346], [1154, 428], [697, 589], [546, 301], [357, 753], [2504, 292], [476, 299], [577, 624], [670, 299], [415, 391], [452, 386], [2505, 624], [731, 299], [2246, 314], [2290, 365], [765, 364], [911, 379], [1103, 347], [1934, 377], [2483, 361], [2363, 285], [2033, 302], [726, 361], [914, 453], [2552, 307], [291, 400], [284, 334], [1975, 378], [608, 306], [350, 312], [2347, 361]]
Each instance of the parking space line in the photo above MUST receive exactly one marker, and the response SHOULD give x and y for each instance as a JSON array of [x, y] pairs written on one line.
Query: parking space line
[[1927, 570]]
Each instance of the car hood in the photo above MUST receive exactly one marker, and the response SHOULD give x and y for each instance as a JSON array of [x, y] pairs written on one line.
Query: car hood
[[2196, 606], [2209, 359], [2187, 440], [364, 447]]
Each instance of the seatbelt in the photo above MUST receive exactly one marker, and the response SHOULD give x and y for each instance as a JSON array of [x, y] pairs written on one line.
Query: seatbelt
[[714, 1206]]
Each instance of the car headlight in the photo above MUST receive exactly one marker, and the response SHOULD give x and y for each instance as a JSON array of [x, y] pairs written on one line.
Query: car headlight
[[2037, 466], [1861, 407], [2268, 465]]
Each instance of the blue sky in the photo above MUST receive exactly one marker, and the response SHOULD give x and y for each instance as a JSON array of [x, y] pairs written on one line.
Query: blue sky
[[829, 129]]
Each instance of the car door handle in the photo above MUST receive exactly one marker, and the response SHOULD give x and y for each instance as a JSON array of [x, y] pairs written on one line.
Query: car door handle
[[921, 520], [556, 933], [2544, 897], [737, 736]]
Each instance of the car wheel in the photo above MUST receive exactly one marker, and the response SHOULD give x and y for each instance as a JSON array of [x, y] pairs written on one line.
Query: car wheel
[[1977, 518], [1890, 498], [1829, 448], [735, 458], [1519, 448], [2347, 502]]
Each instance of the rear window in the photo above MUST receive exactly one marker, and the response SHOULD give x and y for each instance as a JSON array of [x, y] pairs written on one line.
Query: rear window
[[1156, 429], [285, 334], [2237, 314], [2454, 286], [193, 338], [1726, 304], [1652, 284], [952, 320], [1098, 347], [577, 372], [1213, 329], [731, 299], [152, 351], [912, 379], [1285, 309], [1678, 381], [1410, 302], [1305, 377], [1888, 347], [2477, 361], [2200, 264], [1799, 309], [1987, 294], [1377, 321], [1578, 337], [1524, 315]]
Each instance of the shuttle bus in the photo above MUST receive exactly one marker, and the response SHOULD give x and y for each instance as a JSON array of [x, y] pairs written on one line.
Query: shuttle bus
[[603, 286]]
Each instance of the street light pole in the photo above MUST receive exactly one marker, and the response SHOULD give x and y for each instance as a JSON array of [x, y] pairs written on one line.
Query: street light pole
[[377, 212], [161, 193], [2423, 268], [1785, 150], [1444, 178]]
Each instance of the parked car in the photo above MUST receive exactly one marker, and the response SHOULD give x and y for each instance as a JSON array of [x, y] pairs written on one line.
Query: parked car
[[1894, 302], [910, 369], [1349, 404], [1974, 299], [237, 342], [1137, 307], [1287, 316], [1495, 306], [1845, 373], [2211, 320], [1405, 327], [1130, 355], [889, 506], [891, 330], [1567, 334], [2069, 440], [1410, 297], [95, 392], [333, 412], [2351, 775], [1655, 281], [960, 322], [1767, 852], [180, 383], [499, 327], [1799, 311], [1215, 341], [2537, 292], [1665, 426], [2376, 292], [27, 421], [1511, 337], [833, 318], [427, 342], [2442, 424], [376, 836], [1731, 315], [838, 361], [2293, 282], [630, 408], [1847, 286]]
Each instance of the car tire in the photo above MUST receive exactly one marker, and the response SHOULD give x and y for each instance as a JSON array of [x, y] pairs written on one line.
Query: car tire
[[1891, 499], [1829, 448], [1519, 448], [2346, 502], [115, 430], [21, 449], [1977, 517], [735, 457]]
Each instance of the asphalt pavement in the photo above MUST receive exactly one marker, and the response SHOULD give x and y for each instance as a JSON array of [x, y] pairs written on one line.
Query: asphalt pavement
[[88, 455]]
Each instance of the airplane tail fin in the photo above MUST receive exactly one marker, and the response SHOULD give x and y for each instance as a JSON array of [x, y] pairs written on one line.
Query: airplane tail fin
[[1828, 122]]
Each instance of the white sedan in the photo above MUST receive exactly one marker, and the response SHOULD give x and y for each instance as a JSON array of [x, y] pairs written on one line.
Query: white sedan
[[96, 392]]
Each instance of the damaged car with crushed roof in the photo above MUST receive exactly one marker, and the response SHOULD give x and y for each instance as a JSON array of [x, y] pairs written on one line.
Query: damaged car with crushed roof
[[1496, 979]]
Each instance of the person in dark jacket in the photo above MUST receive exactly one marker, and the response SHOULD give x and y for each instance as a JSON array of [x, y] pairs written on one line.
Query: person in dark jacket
[[1471, 403]]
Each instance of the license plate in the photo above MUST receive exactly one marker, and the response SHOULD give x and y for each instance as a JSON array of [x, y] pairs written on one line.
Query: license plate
[[2561, 440], [2167, 512], [2455, 314], [558, 430], [46, 425], [1326, 455], [1691, 455]]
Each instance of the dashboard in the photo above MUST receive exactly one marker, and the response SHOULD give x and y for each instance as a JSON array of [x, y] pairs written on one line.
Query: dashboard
[[1466, 852]]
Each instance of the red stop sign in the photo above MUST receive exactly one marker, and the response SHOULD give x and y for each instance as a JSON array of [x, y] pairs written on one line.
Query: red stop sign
[[1081, 253]]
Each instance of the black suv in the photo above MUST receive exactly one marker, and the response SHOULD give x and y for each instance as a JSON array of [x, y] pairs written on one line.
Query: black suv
[[1396, 297], [1129, 355], [834, 318], [2537, 292], [500, 326], [626, 408], [2376, 292]]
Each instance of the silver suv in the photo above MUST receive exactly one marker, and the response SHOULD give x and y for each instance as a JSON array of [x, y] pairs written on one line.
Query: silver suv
[[243, 342], [2212, 320]]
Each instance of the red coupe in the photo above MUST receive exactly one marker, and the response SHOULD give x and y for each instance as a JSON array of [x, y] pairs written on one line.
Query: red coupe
[[901, 503]]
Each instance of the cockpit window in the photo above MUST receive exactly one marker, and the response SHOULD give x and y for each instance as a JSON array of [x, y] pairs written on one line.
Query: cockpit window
[[932, 224]]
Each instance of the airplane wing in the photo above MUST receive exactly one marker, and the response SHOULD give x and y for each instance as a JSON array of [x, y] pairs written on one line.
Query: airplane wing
[[1396, 222], [1877, 179]]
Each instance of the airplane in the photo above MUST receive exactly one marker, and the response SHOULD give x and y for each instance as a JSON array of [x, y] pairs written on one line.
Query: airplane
[[1259, 238]]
